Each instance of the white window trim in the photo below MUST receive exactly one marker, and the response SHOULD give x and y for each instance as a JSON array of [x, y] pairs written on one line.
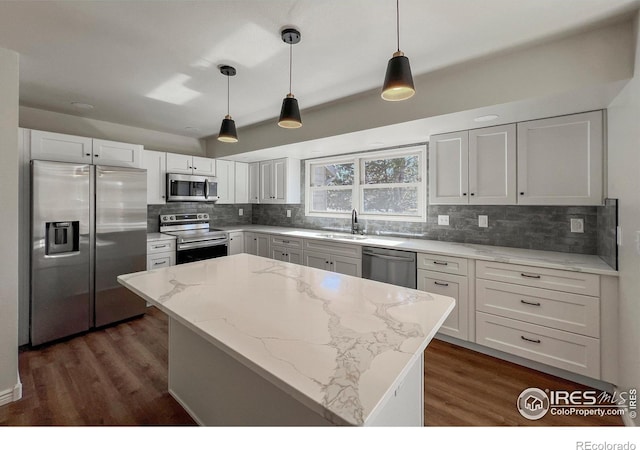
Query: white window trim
[[359, 186]]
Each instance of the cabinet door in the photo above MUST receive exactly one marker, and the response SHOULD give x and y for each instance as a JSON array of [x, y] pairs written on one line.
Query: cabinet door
[[226, 171], [346, 265], [204, 166], [448, 168], [317, 260], [61, 147], [242, 182], [177, 163], [295, 256], [262, 245], [236, 243], [279, 253], [156, 165], [120, 154], [492, 166], [456, 286], [254, 182], [266, 174], [279, 181], [560, 160], [250, 243]]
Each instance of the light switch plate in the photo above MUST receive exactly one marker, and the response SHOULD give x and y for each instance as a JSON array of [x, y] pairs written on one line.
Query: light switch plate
[[240, 212], [288, 213], [443, 220], [577, 225], [483, 221]]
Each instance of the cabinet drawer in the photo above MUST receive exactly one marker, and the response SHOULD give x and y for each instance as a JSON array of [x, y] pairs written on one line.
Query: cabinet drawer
[[572, 352], [160, 260], [168, 245], [563, 311], [286, 241], [446, 264], [456, 286], [325, 246], [557, 280]]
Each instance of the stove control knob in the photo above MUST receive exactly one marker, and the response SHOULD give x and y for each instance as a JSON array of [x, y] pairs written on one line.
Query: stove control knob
[[165, 218], [199, 216], [172, 217]]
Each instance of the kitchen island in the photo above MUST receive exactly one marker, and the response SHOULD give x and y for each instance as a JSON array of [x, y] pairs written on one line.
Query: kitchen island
[[254, 341]]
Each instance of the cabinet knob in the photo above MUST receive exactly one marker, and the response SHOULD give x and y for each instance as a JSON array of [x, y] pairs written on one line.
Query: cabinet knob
[[521, 193], [162, 196], [473, 193], [195, 168], [87, 154], [96, 155], [464, 193]]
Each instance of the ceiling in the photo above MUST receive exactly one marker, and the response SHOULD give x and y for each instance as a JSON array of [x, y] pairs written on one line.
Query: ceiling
[[154, 64]]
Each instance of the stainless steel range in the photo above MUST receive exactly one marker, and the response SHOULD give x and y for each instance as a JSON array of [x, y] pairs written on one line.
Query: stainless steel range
[[195, 240]]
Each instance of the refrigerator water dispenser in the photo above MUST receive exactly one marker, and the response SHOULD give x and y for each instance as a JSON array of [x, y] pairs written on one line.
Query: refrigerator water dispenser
[[62, 237]]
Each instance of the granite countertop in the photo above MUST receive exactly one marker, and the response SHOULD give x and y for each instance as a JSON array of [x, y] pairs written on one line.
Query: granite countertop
[[159, 237], [553, 260], [336, 343]]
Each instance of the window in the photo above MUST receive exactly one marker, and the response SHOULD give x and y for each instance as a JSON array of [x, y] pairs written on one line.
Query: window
[[382, 185]]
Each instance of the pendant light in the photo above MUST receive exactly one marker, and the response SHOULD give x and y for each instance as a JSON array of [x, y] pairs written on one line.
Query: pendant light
[[290, 113], [228, 128], [398, 82]]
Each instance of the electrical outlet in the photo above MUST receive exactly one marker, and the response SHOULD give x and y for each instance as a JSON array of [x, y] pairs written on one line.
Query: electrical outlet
[[577, 225], [483, 221], [240, 212], [288, 213], [443, 220]]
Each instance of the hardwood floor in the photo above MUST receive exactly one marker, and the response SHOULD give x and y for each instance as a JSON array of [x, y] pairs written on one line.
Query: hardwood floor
[[118, 376]]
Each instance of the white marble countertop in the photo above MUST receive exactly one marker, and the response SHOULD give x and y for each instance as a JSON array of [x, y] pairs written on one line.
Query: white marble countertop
[[553, 260], [159, 237], [336, 343]]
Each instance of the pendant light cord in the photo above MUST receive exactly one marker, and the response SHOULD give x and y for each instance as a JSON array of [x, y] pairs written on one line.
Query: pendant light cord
[[398, 22], [290, 65], [228, 88]]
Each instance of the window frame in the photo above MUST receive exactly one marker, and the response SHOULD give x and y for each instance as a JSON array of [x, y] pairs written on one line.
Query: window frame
[[358, 188]]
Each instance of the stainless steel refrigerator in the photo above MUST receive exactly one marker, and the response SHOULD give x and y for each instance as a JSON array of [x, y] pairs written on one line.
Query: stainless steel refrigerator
[[88, 225]]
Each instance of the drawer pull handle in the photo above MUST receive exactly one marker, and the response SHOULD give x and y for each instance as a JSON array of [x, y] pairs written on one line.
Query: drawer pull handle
[[535, 341], [441, 263], [160, 246], [440, 284], [526, 275], [159, 263], [285, 242], [530, 303]]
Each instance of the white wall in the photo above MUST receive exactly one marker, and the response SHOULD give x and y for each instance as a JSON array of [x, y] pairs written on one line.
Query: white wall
[[39, 119], [586, 59], [10, 388], [624, 184]]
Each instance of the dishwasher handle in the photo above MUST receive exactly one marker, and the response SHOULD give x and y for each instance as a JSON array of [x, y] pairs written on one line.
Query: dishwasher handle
[[393, 258]]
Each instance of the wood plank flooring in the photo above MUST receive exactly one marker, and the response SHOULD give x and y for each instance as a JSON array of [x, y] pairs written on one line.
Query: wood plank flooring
[[118, 376]]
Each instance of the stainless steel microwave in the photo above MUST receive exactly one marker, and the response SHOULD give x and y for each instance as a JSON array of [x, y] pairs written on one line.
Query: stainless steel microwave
[[191, 188]]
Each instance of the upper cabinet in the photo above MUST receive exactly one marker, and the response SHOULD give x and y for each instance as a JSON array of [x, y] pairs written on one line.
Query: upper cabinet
[[242, 182], [77, 149], [156, 165], [190, 165], [226, 171], [560, 160], [254, 182], [555, 161], [280, 181], [476, 167]]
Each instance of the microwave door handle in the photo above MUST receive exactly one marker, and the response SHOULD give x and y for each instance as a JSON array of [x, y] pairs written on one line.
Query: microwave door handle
[[206, 188]]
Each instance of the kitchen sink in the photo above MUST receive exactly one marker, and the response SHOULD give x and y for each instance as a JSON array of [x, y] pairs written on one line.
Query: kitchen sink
[[350, 237]]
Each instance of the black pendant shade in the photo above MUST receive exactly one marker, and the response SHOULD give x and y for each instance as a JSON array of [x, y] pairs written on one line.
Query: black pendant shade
[[398, 82], [290, 113], [228, 130]]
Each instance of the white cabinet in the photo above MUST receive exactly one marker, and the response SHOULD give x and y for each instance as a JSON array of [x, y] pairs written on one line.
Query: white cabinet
[[83, 150], [161, 253], [560, 160], [280, 181], [257, 244], [156, 165], [226, 174], [447, 275], [236, 242], [191, 165], [284, 248], [333, 256], [254, 182], [242, 182], [476, 167]]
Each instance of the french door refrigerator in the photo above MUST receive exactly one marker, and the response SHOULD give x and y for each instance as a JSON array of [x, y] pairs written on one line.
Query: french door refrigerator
[[88, 225]]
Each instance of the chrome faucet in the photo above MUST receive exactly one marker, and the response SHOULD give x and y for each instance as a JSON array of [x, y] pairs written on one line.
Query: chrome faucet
[[355, 227]]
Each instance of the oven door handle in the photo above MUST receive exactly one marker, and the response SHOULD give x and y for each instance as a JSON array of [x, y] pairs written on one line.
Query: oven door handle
[[200, 244]]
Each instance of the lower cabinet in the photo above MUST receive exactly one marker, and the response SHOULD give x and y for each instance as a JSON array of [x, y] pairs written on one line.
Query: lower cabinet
[[456, 286], [335, 257], [236, 243], [257, 244], [161, 253], [286, 249]]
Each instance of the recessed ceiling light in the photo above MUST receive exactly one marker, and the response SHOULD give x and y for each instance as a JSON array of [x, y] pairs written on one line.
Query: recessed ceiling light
[[487, 118], [81, 105]]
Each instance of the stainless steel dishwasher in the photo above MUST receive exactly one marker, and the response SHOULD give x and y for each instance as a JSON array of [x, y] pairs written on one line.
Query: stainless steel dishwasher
[[389, 266]]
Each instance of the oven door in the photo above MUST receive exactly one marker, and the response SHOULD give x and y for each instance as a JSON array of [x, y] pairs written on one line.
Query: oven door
[[198, 251], [191, 188]]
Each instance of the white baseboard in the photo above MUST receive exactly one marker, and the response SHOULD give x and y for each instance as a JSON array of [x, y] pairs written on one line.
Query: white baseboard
[[11, 395]]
